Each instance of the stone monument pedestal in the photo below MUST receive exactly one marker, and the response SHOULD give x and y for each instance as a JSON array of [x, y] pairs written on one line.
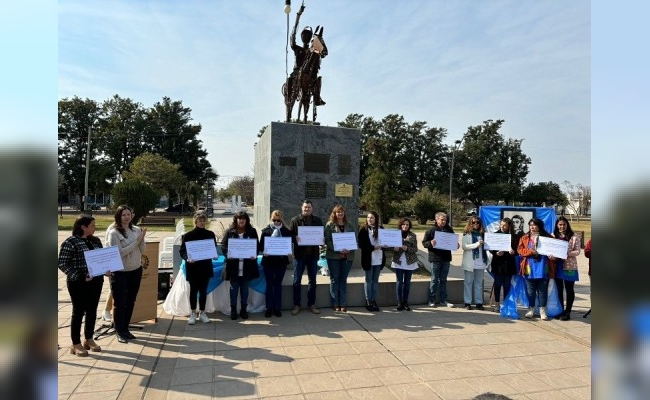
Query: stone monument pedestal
[[294, 162]]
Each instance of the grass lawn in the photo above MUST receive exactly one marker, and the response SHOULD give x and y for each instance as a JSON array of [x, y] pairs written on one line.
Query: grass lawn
[[102, 221]]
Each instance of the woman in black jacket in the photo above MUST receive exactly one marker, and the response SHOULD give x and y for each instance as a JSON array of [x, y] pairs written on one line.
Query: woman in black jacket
[[503, 263], [274, 266], [372, 258], [240, 271], [197, 272]]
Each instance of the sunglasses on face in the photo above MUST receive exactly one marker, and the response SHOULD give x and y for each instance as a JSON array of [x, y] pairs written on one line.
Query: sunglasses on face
[[276, 220]]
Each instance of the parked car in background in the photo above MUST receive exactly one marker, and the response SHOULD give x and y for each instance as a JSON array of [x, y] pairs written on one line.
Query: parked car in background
[[472, 211]]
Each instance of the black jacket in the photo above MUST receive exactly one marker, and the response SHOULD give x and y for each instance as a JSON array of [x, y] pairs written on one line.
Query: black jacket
[[505, 264], [232, 264], [274, 261], [436, 254], [201, 269], [303, 251], [367, 248]]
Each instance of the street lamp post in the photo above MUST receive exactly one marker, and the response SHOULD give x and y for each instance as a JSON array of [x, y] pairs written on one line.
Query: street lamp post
[[456, 146], [86, 208]]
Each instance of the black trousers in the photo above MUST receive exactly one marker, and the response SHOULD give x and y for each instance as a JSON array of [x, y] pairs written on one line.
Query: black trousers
[[198, 285], [125, 286], [570, 293], [85, 298]]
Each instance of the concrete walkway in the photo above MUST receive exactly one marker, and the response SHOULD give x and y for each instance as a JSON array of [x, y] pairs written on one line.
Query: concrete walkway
[[429, 353]]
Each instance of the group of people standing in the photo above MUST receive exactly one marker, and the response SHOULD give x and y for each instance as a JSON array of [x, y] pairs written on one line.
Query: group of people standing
[[85, 289], [536, 268]]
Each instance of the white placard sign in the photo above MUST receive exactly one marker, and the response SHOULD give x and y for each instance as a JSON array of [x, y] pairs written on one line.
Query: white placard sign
[[311, 236], [390, 238], [553, 247], [100, 261], [497, 241], [277, 246], [242, 248], [446, 241], [344, 241], [204, 249]]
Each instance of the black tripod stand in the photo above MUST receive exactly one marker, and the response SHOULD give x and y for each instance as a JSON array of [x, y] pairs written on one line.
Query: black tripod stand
[[587, 313], [108, 329]]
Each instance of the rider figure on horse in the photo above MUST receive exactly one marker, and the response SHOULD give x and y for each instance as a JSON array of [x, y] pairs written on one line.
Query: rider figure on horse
[[302, 54]]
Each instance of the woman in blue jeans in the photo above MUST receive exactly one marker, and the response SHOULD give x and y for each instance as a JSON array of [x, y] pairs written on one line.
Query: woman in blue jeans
[[339, 262], [372, 258], [405, 261], [535, 268]]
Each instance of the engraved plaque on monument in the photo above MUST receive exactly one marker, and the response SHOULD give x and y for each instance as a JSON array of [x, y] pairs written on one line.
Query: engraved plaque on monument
[[315, 190], [345, 164], [315, 162], [287, 161]]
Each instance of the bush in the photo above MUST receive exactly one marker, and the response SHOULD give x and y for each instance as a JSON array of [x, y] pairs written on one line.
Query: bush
[[425, 203], [137, 194]]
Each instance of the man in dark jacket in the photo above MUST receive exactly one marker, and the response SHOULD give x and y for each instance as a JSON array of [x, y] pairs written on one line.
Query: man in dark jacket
[[439, 259], [306, 256]]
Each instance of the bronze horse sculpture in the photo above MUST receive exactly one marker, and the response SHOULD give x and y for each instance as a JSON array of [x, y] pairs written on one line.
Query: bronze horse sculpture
[[304, 84]]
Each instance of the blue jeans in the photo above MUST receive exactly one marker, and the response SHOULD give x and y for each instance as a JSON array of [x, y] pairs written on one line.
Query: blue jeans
[[274, 276], [238, 285], [501, 281], [339, 270], [473, 280], [439, 272], [403, 284], [539, 287], [371, 285], [312, 268]]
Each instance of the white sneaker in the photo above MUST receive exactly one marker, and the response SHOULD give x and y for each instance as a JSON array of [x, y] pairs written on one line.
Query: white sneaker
[[106, 316], [530, 312], [542, 313], [204, 318], [446, 304], [432, 304], [192, 319]]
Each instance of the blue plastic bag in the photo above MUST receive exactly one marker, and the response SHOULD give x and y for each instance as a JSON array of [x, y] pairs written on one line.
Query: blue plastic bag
[[509, 306], [519, 287]]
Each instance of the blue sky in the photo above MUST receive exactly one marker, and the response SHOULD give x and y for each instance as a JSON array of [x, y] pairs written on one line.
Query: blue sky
[[451, 64]]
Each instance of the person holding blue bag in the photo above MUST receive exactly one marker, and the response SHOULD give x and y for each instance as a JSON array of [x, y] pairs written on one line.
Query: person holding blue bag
[[535, 268]]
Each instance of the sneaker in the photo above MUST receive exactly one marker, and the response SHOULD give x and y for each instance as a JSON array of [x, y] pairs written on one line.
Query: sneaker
[[296, 310], [192, 319], [468, 306], [407, 307], [542, 313], [445, 304], [313, 309], [497, 307], [204, 318], [530, 312], [479, 307], [432, 304], [106, 316], [400, 307], [565, 316]]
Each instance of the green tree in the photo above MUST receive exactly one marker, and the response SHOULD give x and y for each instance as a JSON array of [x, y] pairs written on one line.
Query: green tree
[[243, 186], [379, 191], [425, 203], [543, 194], [76, 117], [488, 167], [170, 134], [163, 176], [137, 194]]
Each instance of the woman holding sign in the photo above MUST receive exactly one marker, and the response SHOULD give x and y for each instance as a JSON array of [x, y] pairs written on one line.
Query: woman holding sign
[[84, 290], [339, 260], [198, 272], [125, 284], [566, 273], [274, 265], [405, 261], [372, 258], [240, 271], [535, 268], [474, 262], [503, 263]]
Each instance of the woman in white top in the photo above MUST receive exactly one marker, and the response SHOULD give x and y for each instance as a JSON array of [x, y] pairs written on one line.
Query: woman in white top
[[474, 262], [405, 261], [126, 283]]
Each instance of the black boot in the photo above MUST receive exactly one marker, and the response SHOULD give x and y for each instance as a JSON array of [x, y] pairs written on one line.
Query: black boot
[[233, 312], [400, 306], [243, 312], [375, 307], [369, 306]]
